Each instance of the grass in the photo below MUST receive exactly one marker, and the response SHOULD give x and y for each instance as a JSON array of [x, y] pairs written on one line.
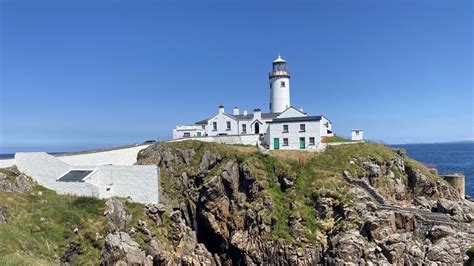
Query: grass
[[41, 227], [335, 139]]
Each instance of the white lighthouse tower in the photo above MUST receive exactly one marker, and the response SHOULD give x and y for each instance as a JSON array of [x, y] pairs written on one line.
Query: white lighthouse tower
[[279, 86]]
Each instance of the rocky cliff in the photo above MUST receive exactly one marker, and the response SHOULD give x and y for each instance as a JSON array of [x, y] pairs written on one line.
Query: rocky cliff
[[224, 205], [351, 204]]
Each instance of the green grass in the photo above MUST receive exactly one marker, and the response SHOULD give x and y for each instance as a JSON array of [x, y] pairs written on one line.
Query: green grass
[[41, 227], [335, 139]]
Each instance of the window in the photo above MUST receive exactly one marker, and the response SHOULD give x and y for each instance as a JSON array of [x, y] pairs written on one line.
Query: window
[[282, 84], [187, 134], [285, 141], [285, 128], [228, 125], [244, 128], [311, 140], [302, 127], [357, 132], [214, 126]]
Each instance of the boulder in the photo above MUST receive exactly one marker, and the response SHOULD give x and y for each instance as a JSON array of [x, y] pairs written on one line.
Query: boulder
[[3, 217], [121, 248], [116, 213], [448, 207]]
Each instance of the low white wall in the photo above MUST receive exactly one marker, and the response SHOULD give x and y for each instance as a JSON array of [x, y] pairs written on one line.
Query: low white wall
[[45, 169], [126, 156], [251, 139], [139, 182], [345, 143]]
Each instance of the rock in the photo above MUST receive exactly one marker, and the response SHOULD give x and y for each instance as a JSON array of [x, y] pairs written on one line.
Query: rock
[[14, 181], [119, 247], [345, 248], [3, 217], [447, 250], [295, 228], [155, 212], [440, 231], [373, 170], [448, 206], [116, 213], [71, 253], [208, 161]]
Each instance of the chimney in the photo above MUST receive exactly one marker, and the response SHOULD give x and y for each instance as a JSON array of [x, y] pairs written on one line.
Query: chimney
[[221, 109], [236, 111], [245, 111], [257, 114]]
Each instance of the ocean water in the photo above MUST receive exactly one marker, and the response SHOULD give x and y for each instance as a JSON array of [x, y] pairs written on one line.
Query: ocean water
[[448, 158]]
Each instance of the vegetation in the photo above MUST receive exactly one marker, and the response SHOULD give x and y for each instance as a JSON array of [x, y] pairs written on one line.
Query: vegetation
[[41, 226], [309, 171], [335, 139]]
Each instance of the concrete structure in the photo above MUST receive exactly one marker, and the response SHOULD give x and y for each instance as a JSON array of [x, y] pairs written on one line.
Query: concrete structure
[[357, 134], [258, 124], [457, 181], [139, 182], [117, 156]]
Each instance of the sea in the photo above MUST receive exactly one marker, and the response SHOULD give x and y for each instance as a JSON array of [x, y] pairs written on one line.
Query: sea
[[448, 157]]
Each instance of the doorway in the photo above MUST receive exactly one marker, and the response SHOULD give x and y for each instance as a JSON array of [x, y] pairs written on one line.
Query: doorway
[[257, 128], [302, 143], [276, 143]]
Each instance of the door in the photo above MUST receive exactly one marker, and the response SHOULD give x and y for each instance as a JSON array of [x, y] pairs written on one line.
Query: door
[[276, 143], [199, 134], [302, 144], [257, 128]]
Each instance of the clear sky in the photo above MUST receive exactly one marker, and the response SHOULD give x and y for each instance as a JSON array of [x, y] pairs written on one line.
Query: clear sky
[[85, 74]]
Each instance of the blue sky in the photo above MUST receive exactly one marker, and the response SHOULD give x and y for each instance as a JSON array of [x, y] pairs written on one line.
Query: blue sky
[[85, 74]]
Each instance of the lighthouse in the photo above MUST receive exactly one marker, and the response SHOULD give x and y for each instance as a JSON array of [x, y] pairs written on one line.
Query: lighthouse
[[279, 86]]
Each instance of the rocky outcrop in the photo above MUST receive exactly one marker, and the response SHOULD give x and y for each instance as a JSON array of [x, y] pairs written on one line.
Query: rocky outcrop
[[120, 249], [391, 212], [11, 180], [117, 215]]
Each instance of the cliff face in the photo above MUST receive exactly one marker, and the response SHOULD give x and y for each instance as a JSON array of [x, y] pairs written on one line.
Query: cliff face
[[355, 203], [223, 205]]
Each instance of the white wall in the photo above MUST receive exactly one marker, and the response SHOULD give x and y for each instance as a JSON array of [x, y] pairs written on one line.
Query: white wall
[[279, 96], [221, 120], [294, 134], [140, 182], [193, 130], [357, 135], [126, 156], [250, 139], [45, 169]]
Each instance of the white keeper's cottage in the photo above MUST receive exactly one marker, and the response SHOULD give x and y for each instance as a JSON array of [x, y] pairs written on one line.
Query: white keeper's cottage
[[283, 127]]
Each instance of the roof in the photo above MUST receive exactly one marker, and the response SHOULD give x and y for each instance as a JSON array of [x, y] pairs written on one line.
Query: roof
[[296, 119], [265, 116], [75, 176], [279, 60]]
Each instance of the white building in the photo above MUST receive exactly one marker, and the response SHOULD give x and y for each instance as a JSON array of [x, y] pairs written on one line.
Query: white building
[[138, 182], [357, 134], [294, 129], [267, 128]]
